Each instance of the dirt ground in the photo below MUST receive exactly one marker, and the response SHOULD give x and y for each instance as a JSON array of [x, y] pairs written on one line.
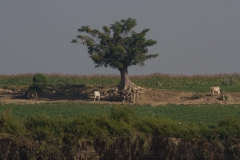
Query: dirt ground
[[152, 96]]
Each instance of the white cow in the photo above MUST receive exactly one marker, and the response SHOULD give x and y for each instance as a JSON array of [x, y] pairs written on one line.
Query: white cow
[[97, 94], [215, 89]]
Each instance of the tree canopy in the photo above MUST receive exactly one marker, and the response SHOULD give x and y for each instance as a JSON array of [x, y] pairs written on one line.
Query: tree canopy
[[118, 46]]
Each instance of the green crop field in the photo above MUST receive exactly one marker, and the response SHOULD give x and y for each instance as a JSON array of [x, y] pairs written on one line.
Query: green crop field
[[152, 80], [207, 114]]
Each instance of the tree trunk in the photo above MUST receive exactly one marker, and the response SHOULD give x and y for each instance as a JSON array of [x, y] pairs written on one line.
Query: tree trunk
[[125, 80]]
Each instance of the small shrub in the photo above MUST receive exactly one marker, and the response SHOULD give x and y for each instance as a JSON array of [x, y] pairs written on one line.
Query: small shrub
[[196, 95], [40, 78]]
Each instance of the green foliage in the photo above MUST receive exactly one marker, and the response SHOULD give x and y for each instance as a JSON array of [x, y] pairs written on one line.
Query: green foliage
[[8, 124], [21, 79], [122, 113], [151, 125], [118, 123], [200, 83], [118, 46], [229, 127], [44, 127], [40, 78]]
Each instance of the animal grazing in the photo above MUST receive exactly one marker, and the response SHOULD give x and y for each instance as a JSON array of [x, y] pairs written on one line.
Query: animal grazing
[[97, 94], [215, 89]]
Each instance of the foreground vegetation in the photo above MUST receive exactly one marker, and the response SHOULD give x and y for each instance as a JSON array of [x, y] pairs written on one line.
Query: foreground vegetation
[[45, 135], [134, 117]]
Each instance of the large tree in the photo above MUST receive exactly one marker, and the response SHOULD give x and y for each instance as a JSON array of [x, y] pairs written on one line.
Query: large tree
[[118, 46]]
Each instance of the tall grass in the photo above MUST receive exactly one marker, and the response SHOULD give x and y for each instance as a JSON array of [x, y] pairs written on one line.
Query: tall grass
[[155, 79]]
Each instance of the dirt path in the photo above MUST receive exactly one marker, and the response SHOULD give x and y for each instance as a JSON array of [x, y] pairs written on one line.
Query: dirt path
[[151, 96]]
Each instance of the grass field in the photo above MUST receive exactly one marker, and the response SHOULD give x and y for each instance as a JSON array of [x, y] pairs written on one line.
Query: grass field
[[207, 114]]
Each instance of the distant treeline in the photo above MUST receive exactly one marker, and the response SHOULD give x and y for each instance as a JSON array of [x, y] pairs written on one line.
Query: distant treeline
[[156, 79]]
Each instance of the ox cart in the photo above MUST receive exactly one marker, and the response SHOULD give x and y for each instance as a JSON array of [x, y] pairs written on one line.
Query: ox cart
[[37, 90]]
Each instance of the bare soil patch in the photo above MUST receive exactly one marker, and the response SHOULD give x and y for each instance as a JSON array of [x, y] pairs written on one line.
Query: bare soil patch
[[152, 96]]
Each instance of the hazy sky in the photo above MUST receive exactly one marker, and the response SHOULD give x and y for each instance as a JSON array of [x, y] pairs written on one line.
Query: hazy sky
[[193, 36]]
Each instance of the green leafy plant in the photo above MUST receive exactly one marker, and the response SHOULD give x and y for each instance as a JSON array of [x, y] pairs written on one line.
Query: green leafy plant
[[40, 78]]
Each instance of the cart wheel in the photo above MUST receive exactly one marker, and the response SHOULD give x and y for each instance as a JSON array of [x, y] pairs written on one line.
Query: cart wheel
[[32, 95]]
